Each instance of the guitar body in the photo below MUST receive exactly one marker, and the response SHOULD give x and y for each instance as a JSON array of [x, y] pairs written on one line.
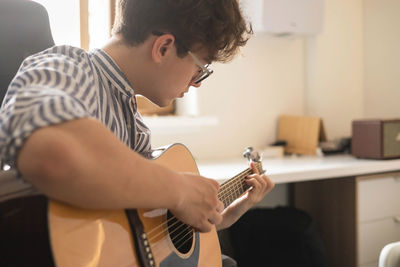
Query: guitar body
[[89, 238]]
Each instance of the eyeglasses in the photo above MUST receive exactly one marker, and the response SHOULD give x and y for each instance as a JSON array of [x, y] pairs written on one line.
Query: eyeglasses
[[204, 70]]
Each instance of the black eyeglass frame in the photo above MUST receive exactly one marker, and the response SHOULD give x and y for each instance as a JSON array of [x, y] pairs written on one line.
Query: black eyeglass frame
[[204, 70]]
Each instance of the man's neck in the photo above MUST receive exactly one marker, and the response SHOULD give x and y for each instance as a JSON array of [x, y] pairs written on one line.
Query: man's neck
[[133, 62]]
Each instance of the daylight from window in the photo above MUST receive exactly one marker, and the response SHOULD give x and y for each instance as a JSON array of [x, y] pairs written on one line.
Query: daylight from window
[[99, 22], [65, 21]]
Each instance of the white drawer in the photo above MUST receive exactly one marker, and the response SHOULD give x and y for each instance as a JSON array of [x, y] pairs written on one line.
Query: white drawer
[[373, 236], [379, 197]]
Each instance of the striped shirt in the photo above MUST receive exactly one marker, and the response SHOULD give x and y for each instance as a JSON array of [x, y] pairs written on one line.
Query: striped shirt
[[60, 84]]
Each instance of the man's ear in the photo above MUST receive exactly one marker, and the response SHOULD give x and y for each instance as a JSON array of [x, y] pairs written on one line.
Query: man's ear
[[162, 46]]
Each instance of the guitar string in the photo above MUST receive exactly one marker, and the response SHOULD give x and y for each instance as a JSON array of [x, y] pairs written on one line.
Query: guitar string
[[165, 230], [188, 229], [241, 175], [258, 166], [152, 238], [185, 236], [237, 187], [227, 187], [231, 189], [232, 184], [230, 181], [158, 249], [189, 232], [184, 239], [245, 172]]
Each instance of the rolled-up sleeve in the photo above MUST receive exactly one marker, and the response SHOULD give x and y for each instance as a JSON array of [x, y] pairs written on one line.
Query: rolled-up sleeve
[[50, 88]]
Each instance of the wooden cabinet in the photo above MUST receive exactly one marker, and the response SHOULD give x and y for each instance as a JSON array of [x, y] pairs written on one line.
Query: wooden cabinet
[[356, 216]]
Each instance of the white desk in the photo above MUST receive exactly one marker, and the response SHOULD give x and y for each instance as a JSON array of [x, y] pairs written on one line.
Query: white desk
[[300, 168], [335, 190]]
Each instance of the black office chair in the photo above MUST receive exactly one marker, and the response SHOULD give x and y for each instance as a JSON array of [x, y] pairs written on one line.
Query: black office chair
[[24, 30]]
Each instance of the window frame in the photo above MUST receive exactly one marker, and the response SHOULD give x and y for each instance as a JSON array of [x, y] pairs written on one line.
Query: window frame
[[84, 23]]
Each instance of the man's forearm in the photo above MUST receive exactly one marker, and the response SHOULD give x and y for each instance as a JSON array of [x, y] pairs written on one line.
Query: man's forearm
[[82, 163]]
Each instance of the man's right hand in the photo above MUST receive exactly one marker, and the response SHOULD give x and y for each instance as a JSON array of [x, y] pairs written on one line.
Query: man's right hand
[[199, 205]]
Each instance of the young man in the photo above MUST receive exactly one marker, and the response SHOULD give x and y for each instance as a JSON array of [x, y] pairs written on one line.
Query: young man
[[70, 124]]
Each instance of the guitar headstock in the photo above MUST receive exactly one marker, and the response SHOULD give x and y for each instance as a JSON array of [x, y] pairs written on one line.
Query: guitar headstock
[[254, 156]]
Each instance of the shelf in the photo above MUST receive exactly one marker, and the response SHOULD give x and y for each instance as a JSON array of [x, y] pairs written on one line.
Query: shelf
[[179, 124]]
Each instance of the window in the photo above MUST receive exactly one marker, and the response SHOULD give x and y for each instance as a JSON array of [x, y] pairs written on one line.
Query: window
[[81, 23], [64, 20], [99, 22]]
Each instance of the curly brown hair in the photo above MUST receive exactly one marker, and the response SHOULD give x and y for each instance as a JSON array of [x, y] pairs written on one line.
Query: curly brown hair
[[214, 25]]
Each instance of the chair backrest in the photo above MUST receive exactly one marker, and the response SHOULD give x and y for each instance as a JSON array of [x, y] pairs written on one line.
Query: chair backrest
[[390, 255], [24, 30]]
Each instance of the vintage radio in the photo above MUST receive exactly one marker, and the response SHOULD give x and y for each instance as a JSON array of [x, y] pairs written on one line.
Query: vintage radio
[[376, 139]]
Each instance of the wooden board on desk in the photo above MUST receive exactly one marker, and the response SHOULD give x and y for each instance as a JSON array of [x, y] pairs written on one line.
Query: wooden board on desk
[[301, 133]]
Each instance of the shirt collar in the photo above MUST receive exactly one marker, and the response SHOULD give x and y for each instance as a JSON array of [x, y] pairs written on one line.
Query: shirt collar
[[112, 71]]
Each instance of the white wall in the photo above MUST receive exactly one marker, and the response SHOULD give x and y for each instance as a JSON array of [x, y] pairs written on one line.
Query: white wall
[[334, 68], [247, 95], [382, 58]]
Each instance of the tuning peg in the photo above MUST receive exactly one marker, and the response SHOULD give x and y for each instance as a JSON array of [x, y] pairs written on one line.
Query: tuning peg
[[251, 154], [247, 152]]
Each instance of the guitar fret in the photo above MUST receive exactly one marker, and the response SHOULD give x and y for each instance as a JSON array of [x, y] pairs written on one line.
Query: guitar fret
[[235, 191], [234, 188], [238, 189]]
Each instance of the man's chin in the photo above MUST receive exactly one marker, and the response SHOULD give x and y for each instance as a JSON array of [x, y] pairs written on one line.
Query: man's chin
[[164, 103]]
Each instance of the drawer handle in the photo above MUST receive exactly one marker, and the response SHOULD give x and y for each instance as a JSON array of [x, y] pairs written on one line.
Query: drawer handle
[[396, 219]]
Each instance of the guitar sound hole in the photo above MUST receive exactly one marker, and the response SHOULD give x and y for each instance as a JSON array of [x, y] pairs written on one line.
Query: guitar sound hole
[[181, 234]]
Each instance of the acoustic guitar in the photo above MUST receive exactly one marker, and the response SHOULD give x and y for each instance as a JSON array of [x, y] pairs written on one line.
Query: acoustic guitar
[[79, 237]]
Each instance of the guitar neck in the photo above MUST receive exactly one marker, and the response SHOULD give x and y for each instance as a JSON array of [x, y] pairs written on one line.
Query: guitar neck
[[233, 188]]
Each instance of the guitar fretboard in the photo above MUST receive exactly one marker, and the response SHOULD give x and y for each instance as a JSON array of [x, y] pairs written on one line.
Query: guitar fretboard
[[236, 186]]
